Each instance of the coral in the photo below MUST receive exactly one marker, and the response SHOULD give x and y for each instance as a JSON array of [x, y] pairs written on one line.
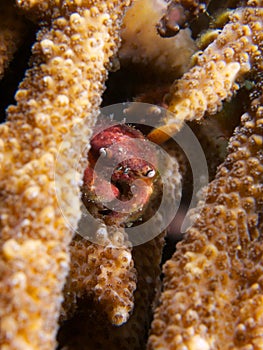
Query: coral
[[62, 88], [218, 73], [255, 3], [40, 7], [213, 288], [12, 32], [104, 273], [166, 55], [133, 334], [212, 294]]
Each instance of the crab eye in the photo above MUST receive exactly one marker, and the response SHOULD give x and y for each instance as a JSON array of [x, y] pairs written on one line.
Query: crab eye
[[150, 173], [103, 152]]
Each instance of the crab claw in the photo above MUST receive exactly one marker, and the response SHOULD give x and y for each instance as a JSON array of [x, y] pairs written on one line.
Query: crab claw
[[98, 188]]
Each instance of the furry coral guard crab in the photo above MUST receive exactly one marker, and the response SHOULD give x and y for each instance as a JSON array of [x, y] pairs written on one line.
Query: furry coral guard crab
[[132, 179], [211, 295]]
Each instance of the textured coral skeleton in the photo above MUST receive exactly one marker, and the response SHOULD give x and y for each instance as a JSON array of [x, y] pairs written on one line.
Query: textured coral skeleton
[[215, 277], [63, 87], [218, 70], [133, 334], [212, 297]]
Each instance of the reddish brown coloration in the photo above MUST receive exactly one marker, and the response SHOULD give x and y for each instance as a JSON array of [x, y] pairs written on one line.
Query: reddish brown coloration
[[178, 15], [132, 178]]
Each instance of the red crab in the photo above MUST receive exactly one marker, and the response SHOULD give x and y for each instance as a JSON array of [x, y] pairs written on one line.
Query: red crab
[[119, 180]]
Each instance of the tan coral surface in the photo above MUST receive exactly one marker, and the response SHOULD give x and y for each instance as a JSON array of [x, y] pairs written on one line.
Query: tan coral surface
[[213, 287], [103, 272], [218, 72], [132, 334], [63, 87]]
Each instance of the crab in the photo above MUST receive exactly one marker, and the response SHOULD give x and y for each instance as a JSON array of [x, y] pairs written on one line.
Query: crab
[[121, 190]]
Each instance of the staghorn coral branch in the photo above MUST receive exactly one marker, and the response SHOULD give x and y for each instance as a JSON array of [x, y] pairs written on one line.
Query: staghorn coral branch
[[97, 333], [213, 287], [46, 9], [104, 273], [41, 5], [63, 87], [218, 70], [12, 32]]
